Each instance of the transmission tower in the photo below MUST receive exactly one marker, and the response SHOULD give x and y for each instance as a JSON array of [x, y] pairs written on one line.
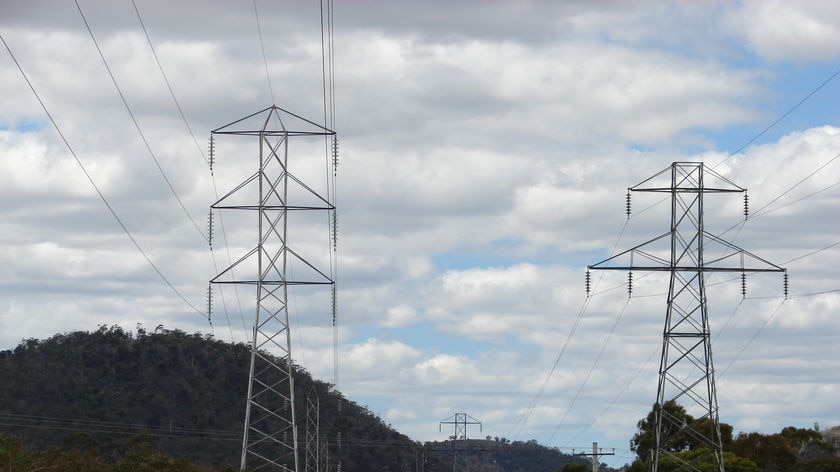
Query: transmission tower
[[460, 420], [273, 193], [313, 422], [686, 371]]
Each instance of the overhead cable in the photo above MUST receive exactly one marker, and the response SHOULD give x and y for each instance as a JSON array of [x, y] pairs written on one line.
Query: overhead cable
[[93, 183], [136, 124]]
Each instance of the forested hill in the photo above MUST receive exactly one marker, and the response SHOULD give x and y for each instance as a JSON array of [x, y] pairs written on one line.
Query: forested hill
[[109, 392], [185, 393]]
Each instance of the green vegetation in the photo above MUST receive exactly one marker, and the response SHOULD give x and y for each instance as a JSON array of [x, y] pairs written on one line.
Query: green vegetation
[[136, 456], [501, 455], [791, 450], [184, 393], [112, 400]]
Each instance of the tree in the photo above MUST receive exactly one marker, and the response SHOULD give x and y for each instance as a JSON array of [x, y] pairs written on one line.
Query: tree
[[791, 449], [818, 465], [702, 459], [771, 452], [574, 468], [644, 441], [807, 443], [680, 432]]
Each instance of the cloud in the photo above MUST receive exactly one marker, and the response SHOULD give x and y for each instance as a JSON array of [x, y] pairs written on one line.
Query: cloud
[[485, 153], [795, 32]]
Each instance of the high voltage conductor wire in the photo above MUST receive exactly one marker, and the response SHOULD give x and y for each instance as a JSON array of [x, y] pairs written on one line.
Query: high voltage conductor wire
[[521, 423], [83, 424], [168, 84], [591, 369], [618, 395], [761, 211], [93, 183], [812, 194], [782, 117], [265, 58], [136, 124], [113, 427], [206, 160], [755, 335], [762, 132], [740, 225], [771, 125], [815, 172], [328, 86]]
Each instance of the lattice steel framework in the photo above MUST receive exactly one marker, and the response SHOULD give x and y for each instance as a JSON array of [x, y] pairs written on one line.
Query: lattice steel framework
[[686, 371], [273, 192], [313, 426], [460, 420]]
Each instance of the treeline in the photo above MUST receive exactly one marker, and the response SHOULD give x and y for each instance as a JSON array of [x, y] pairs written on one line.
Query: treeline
[[112, 400], [502, 455], [135, 454], [790, 450]]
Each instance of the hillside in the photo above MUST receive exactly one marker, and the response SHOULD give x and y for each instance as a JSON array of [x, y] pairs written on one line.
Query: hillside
[[494, 455], [183, 394]]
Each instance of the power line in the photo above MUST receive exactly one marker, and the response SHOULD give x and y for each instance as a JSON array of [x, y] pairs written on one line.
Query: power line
[[136, 124], [530, 410], [815, 172], [327, 21], [523, 421], [93, 183], [755, 335], [618, 395], [812, 252], [591, 369], [91, 425], [168, 84], [782, 117], [812, 194], [210, 167], [265, 58]]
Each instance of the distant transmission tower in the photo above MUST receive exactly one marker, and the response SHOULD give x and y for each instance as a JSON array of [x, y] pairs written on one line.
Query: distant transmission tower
[[686, 372], [273, 193], [460, 420]]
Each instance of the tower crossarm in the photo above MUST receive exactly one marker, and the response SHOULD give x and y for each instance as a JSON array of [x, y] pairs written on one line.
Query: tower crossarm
[[687, 177], [761, 264], [624, 260], [649, 261], [460, 420]]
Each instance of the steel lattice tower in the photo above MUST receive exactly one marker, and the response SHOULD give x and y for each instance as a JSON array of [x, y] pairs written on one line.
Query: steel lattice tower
[[460, 420], [273, 193], [313, 426], [686, 371]]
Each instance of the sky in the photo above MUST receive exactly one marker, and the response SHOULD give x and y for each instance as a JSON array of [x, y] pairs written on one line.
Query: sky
[[485, 151]]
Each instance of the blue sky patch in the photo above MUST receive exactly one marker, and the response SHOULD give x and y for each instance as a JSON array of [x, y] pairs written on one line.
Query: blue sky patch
[[27, 126]]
